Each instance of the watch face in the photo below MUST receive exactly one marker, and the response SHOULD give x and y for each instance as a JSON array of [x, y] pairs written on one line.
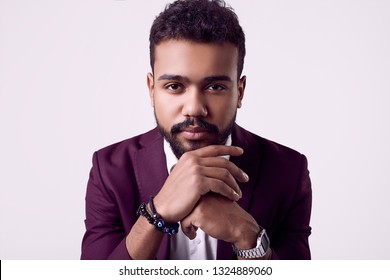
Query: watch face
[[265, 241]]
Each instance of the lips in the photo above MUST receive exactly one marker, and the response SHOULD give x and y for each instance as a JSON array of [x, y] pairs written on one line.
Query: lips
[[195, 133]]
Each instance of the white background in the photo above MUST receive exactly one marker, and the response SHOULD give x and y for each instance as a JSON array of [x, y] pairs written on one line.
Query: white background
[[73, 80]]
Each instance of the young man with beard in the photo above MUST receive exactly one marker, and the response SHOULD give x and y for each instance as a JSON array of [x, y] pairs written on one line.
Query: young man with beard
[[197, 186]]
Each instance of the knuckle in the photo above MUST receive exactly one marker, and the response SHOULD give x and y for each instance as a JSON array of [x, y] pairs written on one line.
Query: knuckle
[[235, 170], [226, 174], [194, 180], [217, 186], [188, 156], [221, 186], [195, 169], [226, 163], [192, 160], [185, 156]]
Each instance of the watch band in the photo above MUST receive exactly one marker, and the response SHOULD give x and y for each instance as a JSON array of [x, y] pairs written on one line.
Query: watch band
[[259, 251]]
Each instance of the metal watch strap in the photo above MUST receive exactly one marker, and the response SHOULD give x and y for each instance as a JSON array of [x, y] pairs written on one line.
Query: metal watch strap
[[259, 251]]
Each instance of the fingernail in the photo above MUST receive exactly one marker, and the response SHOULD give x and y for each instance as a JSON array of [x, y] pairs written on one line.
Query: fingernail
[[237, 196], [246, 176]]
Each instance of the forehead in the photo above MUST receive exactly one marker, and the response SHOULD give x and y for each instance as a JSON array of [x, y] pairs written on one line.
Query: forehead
[[193, 59]]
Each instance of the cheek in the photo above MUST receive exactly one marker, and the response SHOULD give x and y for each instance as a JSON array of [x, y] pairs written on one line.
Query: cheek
[[223, 110], [166, 109]]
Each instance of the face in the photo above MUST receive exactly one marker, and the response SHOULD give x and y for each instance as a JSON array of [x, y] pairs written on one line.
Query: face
[[195, 93]]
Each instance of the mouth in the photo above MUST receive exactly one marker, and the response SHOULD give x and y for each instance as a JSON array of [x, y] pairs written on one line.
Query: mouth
[[195, 133]]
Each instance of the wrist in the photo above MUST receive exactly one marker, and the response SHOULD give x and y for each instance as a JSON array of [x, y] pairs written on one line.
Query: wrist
[[163, 210], [149, 212], [247, 237], [260, 251]]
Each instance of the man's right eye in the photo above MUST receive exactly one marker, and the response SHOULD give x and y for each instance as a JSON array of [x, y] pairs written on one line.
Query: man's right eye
[[173, 87]]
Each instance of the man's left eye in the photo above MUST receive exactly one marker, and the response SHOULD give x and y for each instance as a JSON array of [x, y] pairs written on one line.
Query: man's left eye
[[215, 87]]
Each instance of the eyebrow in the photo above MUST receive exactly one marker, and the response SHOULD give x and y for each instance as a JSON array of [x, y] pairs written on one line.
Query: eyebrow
[[168, 77], [220, 78]]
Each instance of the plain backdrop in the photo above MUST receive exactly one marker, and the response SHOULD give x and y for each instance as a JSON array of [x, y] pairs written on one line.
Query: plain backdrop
[[73, 80]]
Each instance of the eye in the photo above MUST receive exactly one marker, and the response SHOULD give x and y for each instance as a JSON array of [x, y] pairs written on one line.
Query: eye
[[215, 87], [174, 87]]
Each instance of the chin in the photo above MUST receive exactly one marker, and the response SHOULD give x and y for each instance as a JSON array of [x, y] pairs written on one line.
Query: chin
[[179, 147], [192, 145]]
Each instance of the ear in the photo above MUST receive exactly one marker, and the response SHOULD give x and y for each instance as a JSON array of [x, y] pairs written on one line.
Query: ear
[[241, 90], [150, 84]]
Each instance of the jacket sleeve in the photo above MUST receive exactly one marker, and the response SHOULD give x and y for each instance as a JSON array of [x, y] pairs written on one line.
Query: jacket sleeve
[[292, 240], [105, 236]]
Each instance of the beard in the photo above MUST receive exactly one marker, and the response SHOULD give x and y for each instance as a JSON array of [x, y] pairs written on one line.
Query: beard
[[219, 137]]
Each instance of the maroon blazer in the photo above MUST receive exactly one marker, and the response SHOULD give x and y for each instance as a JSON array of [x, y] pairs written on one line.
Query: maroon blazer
[[278, 194]]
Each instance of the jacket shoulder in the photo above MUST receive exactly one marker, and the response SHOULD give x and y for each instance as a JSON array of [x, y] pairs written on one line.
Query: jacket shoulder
[[132, 144], [267, 148], [121, 153]]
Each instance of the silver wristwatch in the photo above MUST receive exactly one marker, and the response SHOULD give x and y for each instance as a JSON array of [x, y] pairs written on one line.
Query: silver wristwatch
[[258, 252]]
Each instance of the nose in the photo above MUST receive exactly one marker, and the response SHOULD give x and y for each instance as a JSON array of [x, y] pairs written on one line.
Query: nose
[[194, 104]]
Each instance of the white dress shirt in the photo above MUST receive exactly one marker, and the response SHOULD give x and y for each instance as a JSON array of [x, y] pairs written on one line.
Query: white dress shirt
[[203, 247]]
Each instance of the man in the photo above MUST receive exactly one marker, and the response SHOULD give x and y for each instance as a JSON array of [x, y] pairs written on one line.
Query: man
[[198, 186]]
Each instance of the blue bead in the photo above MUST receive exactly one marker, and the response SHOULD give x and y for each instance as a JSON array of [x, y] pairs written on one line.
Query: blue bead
[[160, 223]]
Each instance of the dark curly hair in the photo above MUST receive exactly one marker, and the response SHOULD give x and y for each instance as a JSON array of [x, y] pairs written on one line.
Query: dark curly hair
[[204, 21]]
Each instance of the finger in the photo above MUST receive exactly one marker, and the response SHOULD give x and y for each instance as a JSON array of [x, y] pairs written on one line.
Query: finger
[[218, 150], [188, 229], [224, 176], [220, 187], [220, 162]]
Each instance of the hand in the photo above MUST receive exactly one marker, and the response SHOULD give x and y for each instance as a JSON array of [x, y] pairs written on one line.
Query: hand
[[197, 173], [222, 219]]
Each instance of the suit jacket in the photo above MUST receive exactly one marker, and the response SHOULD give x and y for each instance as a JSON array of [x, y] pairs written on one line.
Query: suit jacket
[[278, 194]]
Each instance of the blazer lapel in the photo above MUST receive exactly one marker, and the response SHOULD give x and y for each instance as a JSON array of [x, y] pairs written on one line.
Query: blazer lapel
[[249, 162], [151, 173]]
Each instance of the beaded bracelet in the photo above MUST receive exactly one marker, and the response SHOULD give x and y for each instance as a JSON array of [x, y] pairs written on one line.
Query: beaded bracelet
[[156, 220]]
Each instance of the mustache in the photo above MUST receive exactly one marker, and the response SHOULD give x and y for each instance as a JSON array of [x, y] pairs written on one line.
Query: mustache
[[194, 121]]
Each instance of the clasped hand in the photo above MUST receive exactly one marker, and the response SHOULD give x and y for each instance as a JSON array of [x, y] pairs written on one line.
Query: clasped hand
[[202, 191]]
